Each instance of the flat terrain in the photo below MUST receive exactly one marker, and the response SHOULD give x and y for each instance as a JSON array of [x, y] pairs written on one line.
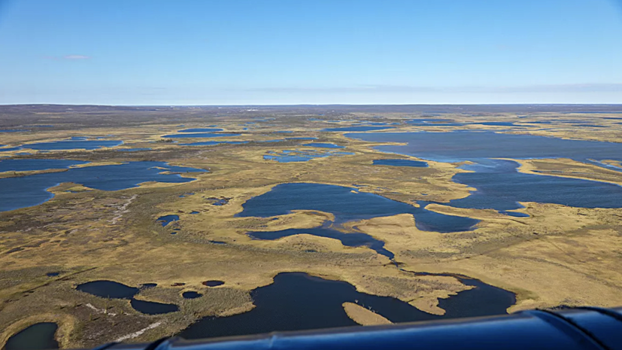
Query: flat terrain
[[555, 255]]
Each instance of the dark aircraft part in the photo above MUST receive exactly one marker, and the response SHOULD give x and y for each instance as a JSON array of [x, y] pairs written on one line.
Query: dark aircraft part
[[565, 328]]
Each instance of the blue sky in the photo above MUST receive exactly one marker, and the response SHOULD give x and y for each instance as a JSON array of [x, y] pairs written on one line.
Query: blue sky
[[152, 52]]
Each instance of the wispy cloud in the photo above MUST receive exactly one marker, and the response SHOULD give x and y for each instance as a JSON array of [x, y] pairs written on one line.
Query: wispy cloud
[[67, 57], [76, 57]]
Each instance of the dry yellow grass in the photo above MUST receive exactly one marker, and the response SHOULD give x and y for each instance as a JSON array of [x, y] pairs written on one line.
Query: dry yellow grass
[[558, 255], [363, 316]]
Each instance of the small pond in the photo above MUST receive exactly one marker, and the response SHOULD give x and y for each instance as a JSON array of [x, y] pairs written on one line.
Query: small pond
[[167, 219], [39, 336], [213, 283], [115, 290], [152, 308], [108, 289], [191, 295]]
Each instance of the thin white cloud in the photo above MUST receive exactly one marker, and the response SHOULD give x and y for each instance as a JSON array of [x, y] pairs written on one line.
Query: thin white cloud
[[76, 57], [67, 57]]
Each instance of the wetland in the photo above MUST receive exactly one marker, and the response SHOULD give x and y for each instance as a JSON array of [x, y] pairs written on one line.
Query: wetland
[[401, 213]]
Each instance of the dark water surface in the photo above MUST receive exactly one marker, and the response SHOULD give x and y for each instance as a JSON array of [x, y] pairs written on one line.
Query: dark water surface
[[213, 283], [499, 185], [152, 308], [401, 162], [9, 149], [297, 301], [353, 239], [433, 122], [167, 219], [191, 295], [347, 204], [72, 144], [108, 289], [115, 290], [36, 164], [481, 144], [27, 191], [39, 336]]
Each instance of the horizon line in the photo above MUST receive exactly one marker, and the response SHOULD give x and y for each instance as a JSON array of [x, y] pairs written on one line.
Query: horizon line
[[308, 104]]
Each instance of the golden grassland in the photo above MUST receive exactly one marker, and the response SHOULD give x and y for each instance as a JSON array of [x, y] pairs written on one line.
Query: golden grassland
[[363, 316], [558, 255]]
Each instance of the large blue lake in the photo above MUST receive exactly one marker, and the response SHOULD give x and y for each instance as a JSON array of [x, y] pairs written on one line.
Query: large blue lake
[[37, 164], [297, 301], [27, 191], [480, 144], [499, 185], [347, 204]]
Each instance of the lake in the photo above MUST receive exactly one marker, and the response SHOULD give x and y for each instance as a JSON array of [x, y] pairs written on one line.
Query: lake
[[347, 204], [72, 144], [297, 301], [37, 164], [465, 145], [39, 336], [27, 191], [499, 185], [351, 239]]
